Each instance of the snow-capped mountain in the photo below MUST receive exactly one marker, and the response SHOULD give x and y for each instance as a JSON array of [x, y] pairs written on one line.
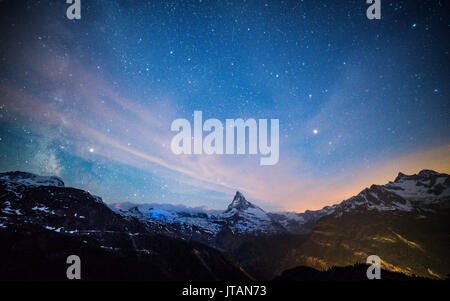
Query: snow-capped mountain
[[26, 198], [406, 193], [428, 186], [301, 223], [14, 179], [405, 222], [42, 222], [241, 216]]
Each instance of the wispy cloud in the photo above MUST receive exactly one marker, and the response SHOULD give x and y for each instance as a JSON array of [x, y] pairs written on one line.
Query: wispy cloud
[[74, 104]]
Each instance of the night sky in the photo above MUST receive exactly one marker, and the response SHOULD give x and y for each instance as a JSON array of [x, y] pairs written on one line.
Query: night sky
[[92, 100]]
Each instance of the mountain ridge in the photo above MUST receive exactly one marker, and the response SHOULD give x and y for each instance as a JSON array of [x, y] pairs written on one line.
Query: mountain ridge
[[244, 216], [42, 222], [413, 210], [420, 201]]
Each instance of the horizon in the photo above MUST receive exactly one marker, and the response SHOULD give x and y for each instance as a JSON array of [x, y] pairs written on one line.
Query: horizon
[[204, 208], [92, 100], [331, 203]]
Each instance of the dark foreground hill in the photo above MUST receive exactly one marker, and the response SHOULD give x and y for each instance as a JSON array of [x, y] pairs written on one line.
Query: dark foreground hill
[[42, 223]]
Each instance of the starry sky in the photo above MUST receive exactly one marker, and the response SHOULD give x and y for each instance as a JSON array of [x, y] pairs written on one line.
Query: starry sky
[[92, 100]]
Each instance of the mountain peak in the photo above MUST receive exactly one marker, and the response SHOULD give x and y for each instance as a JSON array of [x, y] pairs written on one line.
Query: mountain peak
[[427, 172], [239, 202], [29, 179], [239, 194], [422, 175], [399, 176]]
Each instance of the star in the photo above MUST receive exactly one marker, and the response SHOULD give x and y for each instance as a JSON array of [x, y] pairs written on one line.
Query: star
[[315, 131]]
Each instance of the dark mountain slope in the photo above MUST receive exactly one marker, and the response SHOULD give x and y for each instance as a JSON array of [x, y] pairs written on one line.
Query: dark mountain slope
[[42, 222], [406, 223], [356, 272]]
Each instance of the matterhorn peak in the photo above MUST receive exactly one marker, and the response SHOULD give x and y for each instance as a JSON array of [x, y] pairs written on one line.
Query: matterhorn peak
[[239, 202], [239, 195]]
